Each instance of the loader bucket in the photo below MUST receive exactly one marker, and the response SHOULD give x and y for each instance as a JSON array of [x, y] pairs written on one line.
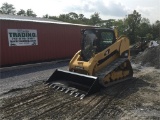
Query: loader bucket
[[74, 83]]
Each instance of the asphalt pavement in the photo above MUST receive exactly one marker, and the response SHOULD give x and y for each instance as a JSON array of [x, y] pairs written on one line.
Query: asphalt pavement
[[17, 77]]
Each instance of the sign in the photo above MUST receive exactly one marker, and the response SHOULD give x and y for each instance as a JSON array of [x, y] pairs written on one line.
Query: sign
[[22, 37]]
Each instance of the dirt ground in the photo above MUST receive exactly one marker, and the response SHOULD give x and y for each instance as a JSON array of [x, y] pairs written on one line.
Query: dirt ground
[[137, 98]]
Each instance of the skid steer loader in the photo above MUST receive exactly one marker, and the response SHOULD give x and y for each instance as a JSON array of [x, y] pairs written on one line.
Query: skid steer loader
[[102, 61]]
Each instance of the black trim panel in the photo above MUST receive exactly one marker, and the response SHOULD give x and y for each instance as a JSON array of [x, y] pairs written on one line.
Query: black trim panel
[[107, 57], [123, 54]]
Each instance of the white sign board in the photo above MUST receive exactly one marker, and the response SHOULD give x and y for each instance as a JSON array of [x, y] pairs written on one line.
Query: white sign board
[[22, 37]]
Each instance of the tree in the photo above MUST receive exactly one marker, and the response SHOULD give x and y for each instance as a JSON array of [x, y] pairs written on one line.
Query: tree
[[73, 16], [133, 22], [46, 16], [144, 28], [109, 23], [64, 17], [30, 13], [76, 18], [86, 21], [53, 17], [81, 17], [145, 20], [21, 12], [120, 26], [149, 36], [7, 9], [155, 30], [95, 18]]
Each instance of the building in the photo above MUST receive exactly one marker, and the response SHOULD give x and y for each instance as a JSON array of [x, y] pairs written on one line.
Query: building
[[29, 39]]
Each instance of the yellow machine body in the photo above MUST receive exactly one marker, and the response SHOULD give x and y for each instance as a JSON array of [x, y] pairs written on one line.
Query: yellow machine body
[[103, 68]]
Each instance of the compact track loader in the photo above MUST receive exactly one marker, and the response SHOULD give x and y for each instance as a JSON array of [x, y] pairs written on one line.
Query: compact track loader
[[102, 61]]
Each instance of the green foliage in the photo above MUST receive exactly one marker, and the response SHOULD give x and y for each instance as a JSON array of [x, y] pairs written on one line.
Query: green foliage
[[81, 17], [72, 18], [30, 13], [95, 18], [21, 12], [134, 26], [46, 16], [155, 30], [144, 28], [149, 36], [121, 26], [7, 9]]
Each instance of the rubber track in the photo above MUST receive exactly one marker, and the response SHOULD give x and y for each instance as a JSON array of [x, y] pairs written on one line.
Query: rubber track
[[102, 73], [111, 67]]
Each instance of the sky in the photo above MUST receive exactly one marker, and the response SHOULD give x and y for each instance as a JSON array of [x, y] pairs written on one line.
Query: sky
[[108, 9]]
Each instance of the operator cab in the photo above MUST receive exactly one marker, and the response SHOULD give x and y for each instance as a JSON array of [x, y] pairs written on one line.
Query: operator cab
[[95, 41]]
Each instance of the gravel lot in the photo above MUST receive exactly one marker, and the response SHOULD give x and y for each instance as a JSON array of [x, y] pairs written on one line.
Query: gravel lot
[[24, 96]]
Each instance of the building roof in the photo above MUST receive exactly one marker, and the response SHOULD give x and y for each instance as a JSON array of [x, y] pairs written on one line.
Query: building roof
[[35, 19]]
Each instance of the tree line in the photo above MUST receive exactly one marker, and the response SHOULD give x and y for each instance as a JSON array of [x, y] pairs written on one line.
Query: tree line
[[10, 9], [133, 25]]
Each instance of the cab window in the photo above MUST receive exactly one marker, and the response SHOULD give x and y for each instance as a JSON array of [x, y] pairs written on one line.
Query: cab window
[[106, 39]]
